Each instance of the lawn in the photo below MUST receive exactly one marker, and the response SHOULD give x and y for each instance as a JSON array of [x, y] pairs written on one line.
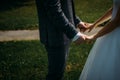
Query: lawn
[[27, 60], [90, 10], [18, 16], [24, 15]]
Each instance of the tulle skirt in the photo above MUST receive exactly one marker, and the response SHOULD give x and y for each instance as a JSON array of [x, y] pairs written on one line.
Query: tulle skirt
[[103, 62]]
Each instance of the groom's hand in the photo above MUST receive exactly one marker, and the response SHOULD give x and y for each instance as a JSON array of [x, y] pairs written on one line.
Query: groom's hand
[[83, 26], [90, 38], [81, 39]]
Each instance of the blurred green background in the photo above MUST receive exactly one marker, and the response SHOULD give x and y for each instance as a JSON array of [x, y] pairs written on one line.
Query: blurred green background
[[22, 14]]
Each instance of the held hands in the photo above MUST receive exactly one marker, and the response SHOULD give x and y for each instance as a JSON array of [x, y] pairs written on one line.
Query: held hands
[[83, 26], [91, 37], [84, 38], [80, 39]]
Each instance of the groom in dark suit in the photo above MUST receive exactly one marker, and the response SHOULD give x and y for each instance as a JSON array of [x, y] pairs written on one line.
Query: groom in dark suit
[[57, 23]]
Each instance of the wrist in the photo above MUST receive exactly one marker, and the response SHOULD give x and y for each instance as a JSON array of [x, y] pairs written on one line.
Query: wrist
[[80, 24], [95, 24], [76, 36], [95, 37]]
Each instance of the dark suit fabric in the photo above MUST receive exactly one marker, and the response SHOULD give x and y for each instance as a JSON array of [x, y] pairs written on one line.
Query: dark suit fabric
[[56, 18], [57, 23]]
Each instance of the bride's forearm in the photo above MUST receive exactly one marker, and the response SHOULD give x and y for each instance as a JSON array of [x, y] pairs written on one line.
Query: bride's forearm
[[104, 18], [110, 26]]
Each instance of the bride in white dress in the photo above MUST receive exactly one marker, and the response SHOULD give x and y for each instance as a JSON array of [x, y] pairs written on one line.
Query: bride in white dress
[[103, 62]]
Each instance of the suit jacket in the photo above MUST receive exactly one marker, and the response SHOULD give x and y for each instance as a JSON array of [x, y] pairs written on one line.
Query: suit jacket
[[56, 19]]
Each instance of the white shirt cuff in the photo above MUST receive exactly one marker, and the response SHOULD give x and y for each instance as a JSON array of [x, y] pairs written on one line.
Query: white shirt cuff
[[76, 36]]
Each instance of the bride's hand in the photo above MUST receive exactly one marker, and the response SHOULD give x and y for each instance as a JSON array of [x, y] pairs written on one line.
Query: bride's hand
[[91, 27], [83, 26], [90, 38]]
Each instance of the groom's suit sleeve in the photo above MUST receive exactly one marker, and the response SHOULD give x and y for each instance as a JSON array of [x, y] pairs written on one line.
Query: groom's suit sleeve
[[77, 20], [59, 19]]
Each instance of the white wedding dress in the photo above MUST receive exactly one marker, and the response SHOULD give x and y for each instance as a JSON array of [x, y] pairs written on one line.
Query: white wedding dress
[[103, 62]]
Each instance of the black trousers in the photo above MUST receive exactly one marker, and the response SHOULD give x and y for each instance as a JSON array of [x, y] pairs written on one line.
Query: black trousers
[[57, 57]]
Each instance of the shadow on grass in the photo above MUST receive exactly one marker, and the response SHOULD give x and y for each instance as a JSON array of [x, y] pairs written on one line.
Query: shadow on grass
[[13, 4]]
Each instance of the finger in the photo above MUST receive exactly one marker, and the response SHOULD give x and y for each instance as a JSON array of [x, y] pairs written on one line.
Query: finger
[[90, 29], [82, 30]]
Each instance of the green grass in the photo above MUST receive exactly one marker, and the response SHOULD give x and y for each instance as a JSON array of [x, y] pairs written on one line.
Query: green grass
[[89, 10], [19, 17], [25, 16], [27, 60]]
